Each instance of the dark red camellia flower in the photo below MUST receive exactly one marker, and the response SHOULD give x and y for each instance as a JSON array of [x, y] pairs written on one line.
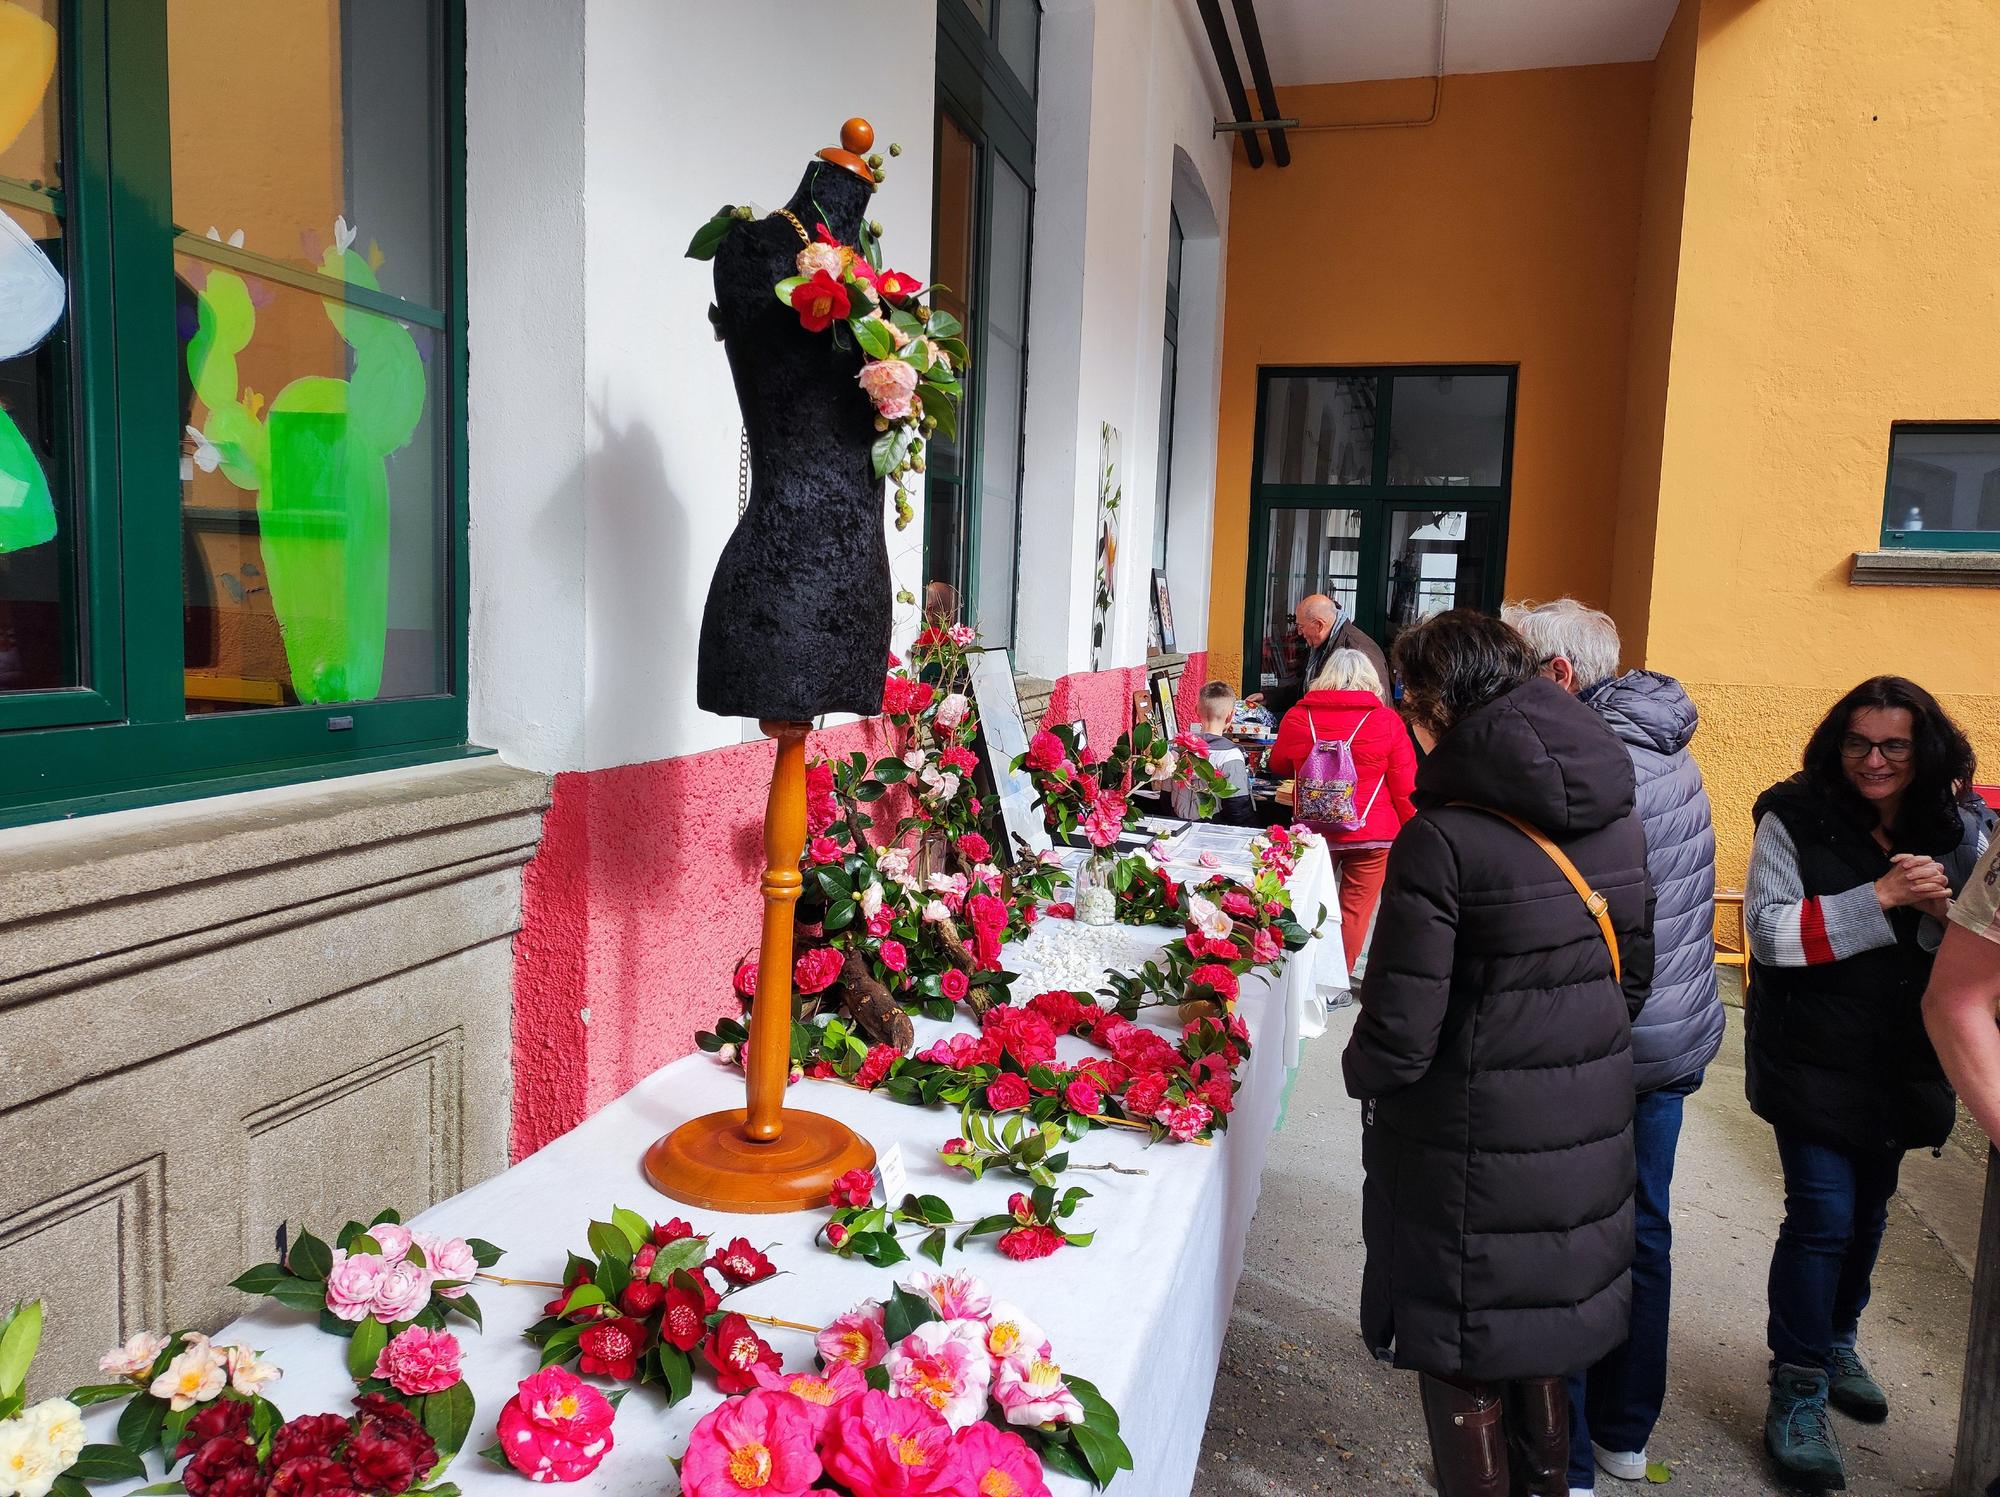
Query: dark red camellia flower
[[684, 1320], [673, 1231], [379, 1461], [308, 1476], [555, 1306], [642, 1297], [611, 1348], [735, 1352], [975, 847], [1023, 1243], [224, 1419], [741, 1263], [385, 1419], [309, 1434], [226, 1468]]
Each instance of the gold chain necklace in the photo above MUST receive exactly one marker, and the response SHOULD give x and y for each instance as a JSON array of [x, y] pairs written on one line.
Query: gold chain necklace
[[793, 219]]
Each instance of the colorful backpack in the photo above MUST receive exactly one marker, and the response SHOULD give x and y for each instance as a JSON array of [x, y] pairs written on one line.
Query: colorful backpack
[[1325, 789]]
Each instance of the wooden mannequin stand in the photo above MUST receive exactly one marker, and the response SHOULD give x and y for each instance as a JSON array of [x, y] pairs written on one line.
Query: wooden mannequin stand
[[765, 1158]]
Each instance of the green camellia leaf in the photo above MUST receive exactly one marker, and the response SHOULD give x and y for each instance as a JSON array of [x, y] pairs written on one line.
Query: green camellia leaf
[[484, 1253], [687, 1253], [494, 1454], [833, 881], [638, 1231], [160, 1489], [787, 286], [708, 238], [1104, 1453], [107, 1463], [940, 408], [933, 1246], [310, 1258], [904, 1313], [370, 1336], [447, 1418], [22, 1334], [1061, 1457], [139, 1426], [678, 1372], [839, 915], [873, 334], [92, 1393], [609, 1243], [944, 325], [882, 453]]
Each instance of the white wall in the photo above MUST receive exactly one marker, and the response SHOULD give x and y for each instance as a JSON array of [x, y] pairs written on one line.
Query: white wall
[[1105, 153]]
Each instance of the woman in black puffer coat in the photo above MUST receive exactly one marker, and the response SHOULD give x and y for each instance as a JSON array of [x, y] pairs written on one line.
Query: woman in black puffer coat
[[1493, 1056]]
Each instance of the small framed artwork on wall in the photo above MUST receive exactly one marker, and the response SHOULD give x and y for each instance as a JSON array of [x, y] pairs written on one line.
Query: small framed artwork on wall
[[1163, 612]]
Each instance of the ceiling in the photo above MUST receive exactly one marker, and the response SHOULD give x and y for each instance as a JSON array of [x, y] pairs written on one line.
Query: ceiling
[[1342, 41]]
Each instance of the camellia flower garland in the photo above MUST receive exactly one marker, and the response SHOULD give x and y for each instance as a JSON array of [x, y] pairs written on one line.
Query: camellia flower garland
[[42, 1445], [184, 1389]]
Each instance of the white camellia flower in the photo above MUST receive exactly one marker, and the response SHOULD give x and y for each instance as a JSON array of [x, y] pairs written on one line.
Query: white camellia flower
[[60, 1425], [936, 913], [195, 1376], [951, 711], [1208, 918], [247, 1374], [1164, 767], [135, 1357], [870, 901], [915, 760]]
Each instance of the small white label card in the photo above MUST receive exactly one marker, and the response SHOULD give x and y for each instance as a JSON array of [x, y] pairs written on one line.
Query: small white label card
[[895, 1175]]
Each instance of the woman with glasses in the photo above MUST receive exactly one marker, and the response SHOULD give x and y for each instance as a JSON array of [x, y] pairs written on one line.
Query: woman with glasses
[[1855, 862]]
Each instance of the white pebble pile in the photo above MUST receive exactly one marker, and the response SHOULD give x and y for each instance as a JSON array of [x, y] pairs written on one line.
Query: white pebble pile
[[1068, 954]]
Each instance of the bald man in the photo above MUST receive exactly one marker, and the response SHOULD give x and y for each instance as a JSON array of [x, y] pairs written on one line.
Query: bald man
[[1325, 627]]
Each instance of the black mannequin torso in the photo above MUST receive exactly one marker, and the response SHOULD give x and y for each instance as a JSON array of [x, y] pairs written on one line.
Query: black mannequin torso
[[798, 614]]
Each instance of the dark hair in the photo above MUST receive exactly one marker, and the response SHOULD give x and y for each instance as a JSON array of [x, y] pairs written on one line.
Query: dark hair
[[1218, 691], [1941, 769], [1455, 663]]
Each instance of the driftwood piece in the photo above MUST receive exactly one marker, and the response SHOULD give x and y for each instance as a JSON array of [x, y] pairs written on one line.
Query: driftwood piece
[[877, 1014], [955, 950]]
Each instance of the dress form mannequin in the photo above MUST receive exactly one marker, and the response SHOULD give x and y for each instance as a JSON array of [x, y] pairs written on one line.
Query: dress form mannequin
[[798, 614]]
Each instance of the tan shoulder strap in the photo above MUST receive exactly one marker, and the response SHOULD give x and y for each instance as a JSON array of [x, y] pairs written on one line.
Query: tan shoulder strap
[[1597, 904]]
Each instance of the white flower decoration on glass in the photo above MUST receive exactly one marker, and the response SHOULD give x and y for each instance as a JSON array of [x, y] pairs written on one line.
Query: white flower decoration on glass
[[343, 234], [31, 292], [207, 456]]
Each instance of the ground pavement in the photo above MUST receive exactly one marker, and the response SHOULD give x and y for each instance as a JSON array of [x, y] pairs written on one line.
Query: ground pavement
[[1300, 1407]]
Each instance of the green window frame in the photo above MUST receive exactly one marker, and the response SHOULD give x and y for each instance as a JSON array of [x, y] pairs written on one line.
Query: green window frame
[[1903, 491], [1375, 498], [981, 93], [125, 738]]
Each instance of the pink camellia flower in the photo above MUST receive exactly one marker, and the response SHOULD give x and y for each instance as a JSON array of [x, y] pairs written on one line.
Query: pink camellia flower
[[450, 1258], [895, 956], [824, 850], [1031, 1390], [962, 635], [1082, 1095], [889, 383], [393, 1238], [855, 1338], [892, 1447], [1185, 1121], [954, 984], [821, 1392], [419, 1361], [556, 1427], [999, 1463], [817, 257], [247, 1372], [353, 1283], [951, 711], [1265, 946], [403, 1291], [855, 1188], [746, 978], [1012, 1337], [761, 1443], [815, 970], [943, 1363], [135, 1358], [1236, 902], [1007, 1092], [1046, 753], [956, 1296]]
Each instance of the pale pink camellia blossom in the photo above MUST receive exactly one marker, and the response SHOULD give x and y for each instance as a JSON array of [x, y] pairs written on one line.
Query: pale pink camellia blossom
[[818, 257], [1164, 767], [195, 1376], [419, 1361], [1209, 919], [1265, 946], [855, 1338], [943, 1363], [951, 711], [451, 1259], [247, 1373], [761, 1443], [936, 912], [1032, 1391], [1185, 1121], [353, 1283], [820, 1392], [135, 1358], [962, 635], [889, 383], [393, 1239], [955, 1296], [402, 1292]]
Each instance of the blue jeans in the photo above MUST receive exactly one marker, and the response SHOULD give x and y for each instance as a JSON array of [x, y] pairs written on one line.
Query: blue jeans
[[1617, 1402], [1836, 1205]]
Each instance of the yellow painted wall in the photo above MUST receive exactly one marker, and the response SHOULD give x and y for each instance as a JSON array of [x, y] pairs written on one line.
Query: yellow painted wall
[[1505, 232], [1839, 269]]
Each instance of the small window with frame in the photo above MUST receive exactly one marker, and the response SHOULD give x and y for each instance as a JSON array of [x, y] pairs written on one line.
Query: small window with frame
[[1943, 489]]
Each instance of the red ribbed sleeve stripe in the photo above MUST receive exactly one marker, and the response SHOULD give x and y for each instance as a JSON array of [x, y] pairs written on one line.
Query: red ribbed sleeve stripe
[[1812, 933]]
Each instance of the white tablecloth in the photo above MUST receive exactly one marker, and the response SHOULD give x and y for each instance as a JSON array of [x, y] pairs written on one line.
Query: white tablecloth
[[1141, 1312]]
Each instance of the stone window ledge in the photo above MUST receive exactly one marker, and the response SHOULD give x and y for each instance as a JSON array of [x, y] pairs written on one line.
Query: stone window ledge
[[1912, 568]]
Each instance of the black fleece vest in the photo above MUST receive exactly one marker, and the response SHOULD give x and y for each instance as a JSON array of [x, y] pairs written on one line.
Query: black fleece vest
[[1837, 1053]]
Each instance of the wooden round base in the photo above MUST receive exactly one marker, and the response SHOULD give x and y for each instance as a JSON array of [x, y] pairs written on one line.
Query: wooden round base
[[711, 1163]]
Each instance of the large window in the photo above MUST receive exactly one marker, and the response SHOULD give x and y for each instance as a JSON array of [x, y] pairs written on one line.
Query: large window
[[231, 393], [1944, 486], [1170, 358], [985, 202], [1384, 488]]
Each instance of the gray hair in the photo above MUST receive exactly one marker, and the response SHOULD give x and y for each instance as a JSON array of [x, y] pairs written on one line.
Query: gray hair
[[1586, 637], [1347, 670]]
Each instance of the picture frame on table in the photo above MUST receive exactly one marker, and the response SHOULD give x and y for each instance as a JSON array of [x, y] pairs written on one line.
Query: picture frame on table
[[1163, 613], [1166, 720], [1003, 737]]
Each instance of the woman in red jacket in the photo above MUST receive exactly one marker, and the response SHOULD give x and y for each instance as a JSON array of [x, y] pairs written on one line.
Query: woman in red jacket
[[1345, 703]]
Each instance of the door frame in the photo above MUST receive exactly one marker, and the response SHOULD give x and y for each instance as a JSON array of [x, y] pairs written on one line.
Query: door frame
[[1377, 500]]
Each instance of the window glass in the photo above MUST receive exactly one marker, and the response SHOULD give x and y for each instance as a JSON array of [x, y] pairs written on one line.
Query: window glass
[[1319, 429], [1169, 370], [1016, 27], [1437, 560], [1941, 481], [1003, 382], [1448, 429], [308, 127], [951, 274], [39, 620], [1309, 551]]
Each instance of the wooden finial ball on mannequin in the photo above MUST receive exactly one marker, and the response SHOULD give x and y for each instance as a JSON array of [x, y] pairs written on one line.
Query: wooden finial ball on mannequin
[[857, 137]]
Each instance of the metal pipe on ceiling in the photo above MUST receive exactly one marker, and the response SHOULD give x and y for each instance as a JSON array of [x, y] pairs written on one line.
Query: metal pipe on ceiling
[[1260, 74], [1232, 76]]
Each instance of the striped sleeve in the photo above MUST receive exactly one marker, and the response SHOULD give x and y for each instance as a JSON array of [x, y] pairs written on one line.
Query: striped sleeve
[[1788, 927]]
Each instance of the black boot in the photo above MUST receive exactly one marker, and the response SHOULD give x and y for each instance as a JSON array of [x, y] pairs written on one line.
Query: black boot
[[1538, 1436], [1468, 1444]]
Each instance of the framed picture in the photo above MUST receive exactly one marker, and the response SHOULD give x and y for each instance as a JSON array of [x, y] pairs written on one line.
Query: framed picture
[[1163, 612], [1110, 493], [1165, 719], [1003, 737]]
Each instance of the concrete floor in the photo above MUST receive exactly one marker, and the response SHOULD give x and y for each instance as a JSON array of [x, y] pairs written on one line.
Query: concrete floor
[[1300, 1407]]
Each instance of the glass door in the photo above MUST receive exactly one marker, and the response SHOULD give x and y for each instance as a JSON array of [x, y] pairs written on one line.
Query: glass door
[[1307, 551]]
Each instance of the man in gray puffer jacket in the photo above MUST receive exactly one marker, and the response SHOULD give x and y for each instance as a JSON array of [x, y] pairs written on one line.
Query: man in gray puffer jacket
[[1613, 1407]]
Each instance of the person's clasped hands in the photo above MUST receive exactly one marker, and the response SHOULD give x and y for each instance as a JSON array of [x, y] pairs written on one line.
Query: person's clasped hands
[[1915, 880]]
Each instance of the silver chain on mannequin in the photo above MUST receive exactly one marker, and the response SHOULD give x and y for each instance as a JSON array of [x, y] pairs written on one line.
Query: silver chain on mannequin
[[743, 476]]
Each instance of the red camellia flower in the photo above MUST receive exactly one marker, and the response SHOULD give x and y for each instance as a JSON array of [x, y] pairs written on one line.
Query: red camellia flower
[[1008, 1092], [963, 760], [308, 1476], [309, 1434], [642, 1297], [746, 977], [1046, 753], [816, 969], [836, 1234], [855, 1188], [1024, 1243], [741, 1263], [974, 848], [820, 806], [824, 850], [954, 984], [1217, 978], [1144, 1095], [1082, 1095], [1020, 1207], [874, 1066], [820, 302], [228, 1468], [380, 1461], [895, 956], [226, 1419], [1218, 1094], [898, 285], [611, 1348], [684, 1321], [735, 1352], [671, 1231]]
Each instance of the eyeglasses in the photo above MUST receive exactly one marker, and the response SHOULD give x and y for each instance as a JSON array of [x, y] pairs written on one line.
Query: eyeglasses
[[1893, 750]]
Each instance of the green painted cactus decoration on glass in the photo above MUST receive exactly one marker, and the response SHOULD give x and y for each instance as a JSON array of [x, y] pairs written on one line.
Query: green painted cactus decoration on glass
[[318, 464]]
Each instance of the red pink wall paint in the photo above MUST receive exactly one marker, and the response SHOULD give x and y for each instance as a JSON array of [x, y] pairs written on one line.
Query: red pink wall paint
[[643, 896]]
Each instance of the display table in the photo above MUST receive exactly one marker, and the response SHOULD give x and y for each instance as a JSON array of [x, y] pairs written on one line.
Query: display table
[[1141, 1311]]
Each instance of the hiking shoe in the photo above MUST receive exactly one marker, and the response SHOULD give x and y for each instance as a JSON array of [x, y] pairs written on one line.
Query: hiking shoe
[[1853, 1390], [1626, 1465], [1798, 1432]]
